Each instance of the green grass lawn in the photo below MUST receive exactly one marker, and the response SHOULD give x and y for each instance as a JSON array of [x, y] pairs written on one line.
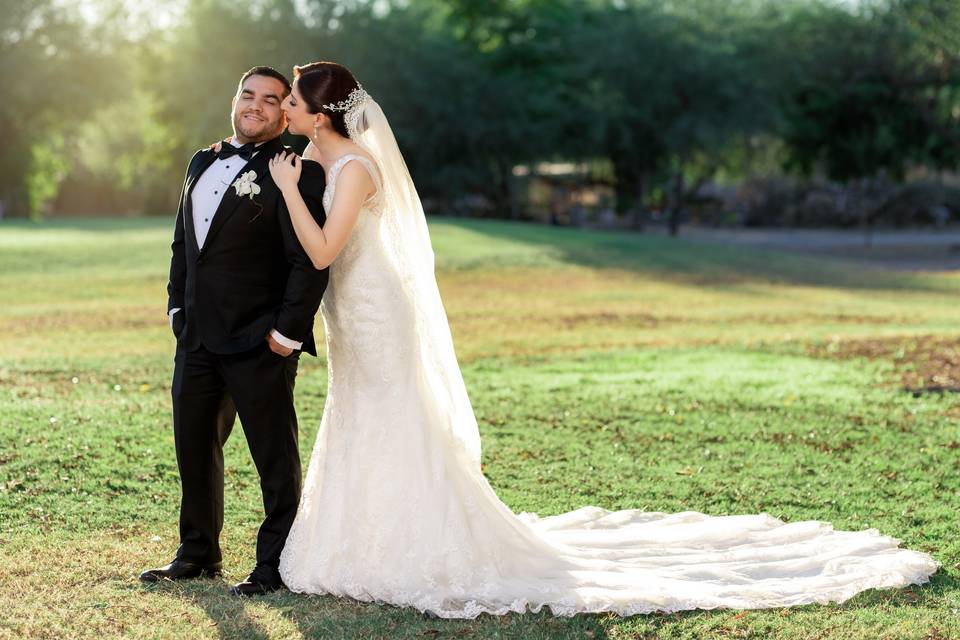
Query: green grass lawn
[[610, 369]]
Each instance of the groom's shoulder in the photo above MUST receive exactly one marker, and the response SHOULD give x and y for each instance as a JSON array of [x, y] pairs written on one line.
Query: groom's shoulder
[[199, 155], [312, 168], [312, 176]]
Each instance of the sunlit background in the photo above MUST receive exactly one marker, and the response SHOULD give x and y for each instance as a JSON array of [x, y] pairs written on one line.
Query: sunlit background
[[723, 371], [629, 113]]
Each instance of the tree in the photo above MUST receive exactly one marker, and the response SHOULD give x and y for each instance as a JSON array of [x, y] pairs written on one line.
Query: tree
[[868, 103], [662, 87], [57, 70]]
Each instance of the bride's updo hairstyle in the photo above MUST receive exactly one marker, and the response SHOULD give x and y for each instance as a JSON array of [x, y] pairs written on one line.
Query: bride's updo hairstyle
[[323, 83]]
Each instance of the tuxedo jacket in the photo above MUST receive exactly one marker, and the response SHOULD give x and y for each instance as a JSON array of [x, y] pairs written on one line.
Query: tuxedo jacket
[[252, 275]]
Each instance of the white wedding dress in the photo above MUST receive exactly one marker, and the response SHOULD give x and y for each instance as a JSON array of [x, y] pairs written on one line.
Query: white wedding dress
[[396, 510]]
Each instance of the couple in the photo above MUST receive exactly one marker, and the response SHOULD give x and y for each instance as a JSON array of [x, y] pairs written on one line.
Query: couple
[[394, 507]]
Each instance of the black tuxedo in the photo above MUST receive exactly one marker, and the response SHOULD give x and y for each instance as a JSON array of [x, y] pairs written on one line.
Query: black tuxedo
[[251, 276]]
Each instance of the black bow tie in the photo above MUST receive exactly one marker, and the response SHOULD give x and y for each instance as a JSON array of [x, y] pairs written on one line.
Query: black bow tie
[[227, 150]]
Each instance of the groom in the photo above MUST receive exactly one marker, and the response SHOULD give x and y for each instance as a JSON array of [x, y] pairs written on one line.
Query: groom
[[242, 299]]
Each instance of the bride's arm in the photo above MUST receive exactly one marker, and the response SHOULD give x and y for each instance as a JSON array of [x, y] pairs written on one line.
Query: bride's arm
[[322, 244]]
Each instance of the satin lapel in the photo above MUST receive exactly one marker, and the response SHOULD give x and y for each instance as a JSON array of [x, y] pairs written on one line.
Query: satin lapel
[[231, 200], [188, 196]]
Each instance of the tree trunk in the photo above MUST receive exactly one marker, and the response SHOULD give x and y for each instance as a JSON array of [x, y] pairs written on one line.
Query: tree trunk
[[676, 204], [622, 179], [866, 227], [505, 193], [13, 203], [639, 211], [866, 211]]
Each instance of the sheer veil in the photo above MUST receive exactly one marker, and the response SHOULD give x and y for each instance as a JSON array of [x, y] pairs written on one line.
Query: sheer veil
[[407, 240]]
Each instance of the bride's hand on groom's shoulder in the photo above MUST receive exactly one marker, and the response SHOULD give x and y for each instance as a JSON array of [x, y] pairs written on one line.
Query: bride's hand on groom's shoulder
[[216, 146], [285, 170]]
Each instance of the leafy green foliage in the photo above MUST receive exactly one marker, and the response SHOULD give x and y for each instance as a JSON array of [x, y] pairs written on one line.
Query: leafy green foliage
[[57, 70], [854, 113], [657, 98]]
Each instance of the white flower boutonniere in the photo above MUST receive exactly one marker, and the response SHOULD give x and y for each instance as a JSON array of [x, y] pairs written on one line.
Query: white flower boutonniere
[[245, 185]]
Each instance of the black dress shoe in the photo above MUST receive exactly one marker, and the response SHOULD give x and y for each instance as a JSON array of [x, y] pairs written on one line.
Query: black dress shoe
[[181, 570], [261, 580]]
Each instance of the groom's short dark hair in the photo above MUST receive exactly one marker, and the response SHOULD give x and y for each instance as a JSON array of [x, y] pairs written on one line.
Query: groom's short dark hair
[[270, 72]]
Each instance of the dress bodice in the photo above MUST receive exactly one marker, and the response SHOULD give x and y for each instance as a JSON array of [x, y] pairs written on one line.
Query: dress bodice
[[374, 202]]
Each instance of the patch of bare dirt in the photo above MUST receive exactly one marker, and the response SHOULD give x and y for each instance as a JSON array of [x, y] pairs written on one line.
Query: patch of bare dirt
[[822, 318], [121, 319], [924, 364], [644, 320]]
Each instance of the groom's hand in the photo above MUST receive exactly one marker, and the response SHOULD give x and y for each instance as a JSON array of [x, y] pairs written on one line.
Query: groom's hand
[[278, 348]]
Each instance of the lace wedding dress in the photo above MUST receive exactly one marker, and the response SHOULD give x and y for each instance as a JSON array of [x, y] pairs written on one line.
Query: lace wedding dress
[[395, 508]]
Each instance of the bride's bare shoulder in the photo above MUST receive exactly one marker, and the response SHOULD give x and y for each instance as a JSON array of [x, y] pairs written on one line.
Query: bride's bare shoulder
[[372, 169], [356, 150]]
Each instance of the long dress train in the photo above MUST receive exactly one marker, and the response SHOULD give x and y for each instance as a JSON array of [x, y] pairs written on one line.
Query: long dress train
[[395, 508]]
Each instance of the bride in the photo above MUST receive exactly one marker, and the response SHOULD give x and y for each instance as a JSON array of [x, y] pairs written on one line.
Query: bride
[[395, 508]]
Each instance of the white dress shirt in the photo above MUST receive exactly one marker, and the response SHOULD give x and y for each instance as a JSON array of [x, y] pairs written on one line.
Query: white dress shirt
[[205, 199]]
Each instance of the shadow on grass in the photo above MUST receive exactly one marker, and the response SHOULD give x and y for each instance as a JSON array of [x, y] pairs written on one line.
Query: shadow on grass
[[227, 612], [333, 617], [942, 585], [668, 259], [329, 616], [697, 262]]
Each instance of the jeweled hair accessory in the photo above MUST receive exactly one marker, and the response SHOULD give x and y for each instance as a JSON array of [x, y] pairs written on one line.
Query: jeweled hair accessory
[[356, 98], [353, 105]]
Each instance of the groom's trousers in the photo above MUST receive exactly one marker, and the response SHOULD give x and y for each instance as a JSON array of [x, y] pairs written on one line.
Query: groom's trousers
[[209, 391]]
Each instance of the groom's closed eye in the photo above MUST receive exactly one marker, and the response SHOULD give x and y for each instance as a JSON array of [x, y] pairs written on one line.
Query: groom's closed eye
[[249, 95]]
